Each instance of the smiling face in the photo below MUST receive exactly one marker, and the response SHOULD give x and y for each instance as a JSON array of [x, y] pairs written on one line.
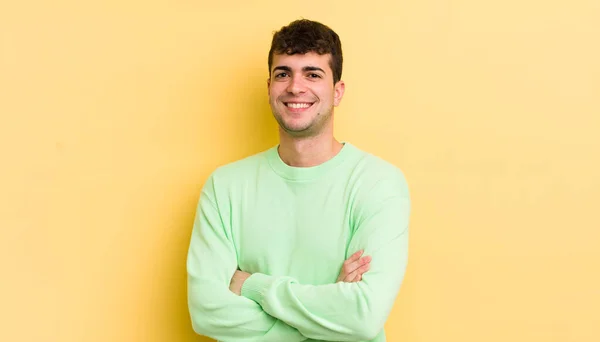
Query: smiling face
[[302, 94]]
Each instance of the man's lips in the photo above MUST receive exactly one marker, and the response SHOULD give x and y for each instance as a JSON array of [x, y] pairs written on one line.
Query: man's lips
[[298, 106]]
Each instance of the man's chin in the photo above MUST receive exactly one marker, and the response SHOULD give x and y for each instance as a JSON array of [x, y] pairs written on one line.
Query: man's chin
[[297, 131], [298, 128]]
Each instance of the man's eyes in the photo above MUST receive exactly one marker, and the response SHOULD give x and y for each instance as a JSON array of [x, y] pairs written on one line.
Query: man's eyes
[[285, 74]]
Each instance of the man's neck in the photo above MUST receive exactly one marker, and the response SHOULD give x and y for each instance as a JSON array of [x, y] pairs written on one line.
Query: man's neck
[[307, 152]]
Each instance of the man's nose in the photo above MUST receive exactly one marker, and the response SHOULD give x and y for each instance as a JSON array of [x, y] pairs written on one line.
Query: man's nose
[[296, 86]]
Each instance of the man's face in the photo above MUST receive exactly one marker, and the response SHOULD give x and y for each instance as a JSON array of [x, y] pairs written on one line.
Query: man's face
[[302, 94]]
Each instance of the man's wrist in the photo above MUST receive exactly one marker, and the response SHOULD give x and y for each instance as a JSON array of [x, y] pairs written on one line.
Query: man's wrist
[[255, 286], [237, 281]]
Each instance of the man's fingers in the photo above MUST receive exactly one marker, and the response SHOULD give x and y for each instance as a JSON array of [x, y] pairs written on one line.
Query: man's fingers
[[353, 257], [351, 269], [357, 274], [353, 266]]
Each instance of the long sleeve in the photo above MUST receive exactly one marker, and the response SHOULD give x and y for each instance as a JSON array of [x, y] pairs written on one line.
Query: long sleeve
[[348, 311], [215, 311]]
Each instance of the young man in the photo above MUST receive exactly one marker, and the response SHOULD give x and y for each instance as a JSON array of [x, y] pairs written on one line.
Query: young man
[[273, 230]]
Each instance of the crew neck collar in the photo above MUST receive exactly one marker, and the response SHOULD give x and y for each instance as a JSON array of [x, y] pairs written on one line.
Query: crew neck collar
[[294, 173]]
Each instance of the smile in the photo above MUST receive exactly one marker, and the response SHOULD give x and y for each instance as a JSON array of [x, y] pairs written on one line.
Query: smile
[[298, 105]]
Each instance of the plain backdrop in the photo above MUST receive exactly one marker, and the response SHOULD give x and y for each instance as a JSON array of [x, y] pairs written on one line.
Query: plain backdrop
[[114, 113]]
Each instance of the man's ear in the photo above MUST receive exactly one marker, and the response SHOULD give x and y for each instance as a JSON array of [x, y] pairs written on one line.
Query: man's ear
[[268, 84], [338, 92]]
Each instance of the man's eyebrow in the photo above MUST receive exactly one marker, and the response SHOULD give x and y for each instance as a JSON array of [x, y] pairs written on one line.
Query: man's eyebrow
[[313, 68], [306, 68], [282, 67]]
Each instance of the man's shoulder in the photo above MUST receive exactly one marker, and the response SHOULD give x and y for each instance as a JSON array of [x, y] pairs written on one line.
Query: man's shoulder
[[376, 168], [378, 180]]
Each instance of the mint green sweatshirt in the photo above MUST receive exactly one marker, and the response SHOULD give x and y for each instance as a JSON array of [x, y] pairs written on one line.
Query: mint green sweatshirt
[[292, 228]]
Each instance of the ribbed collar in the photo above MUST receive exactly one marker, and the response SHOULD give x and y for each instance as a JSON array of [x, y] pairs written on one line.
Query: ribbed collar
[[307, 173]]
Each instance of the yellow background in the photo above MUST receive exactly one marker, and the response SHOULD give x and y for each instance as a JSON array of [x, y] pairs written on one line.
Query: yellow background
[[114, 113]]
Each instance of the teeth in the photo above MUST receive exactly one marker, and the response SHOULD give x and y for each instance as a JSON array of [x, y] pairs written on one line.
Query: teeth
[[298, 105]]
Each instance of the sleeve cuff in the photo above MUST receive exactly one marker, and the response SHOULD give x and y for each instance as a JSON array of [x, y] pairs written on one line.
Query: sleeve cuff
[[256, 285]]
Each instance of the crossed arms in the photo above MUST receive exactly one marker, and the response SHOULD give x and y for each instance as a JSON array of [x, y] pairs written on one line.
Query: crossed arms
[[275, 309], [352, 270]]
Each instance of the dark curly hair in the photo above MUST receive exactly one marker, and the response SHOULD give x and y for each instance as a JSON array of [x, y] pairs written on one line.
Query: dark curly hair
[[302, 36]]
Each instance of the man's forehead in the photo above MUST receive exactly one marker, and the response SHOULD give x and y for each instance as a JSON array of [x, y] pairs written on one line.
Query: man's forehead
[[300, 61]]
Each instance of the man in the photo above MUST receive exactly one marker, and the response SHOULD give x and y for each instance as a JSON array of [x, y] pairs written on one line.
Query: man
[[273, 230]]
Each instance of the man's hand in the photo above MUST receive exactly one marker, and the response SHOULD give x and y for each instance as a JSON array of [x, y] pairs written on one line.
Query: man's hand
[[237, 281], [354, 268], [352, 271]]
